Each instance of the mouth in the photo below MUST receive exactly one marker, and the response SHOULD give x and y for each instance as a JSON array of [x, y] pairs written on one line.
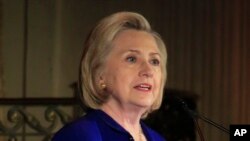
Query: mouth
[[143, 87]]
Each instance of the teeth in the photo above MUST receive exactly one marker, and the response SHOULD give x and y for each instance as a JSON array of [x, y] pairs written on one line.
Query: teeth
[[144, 87]]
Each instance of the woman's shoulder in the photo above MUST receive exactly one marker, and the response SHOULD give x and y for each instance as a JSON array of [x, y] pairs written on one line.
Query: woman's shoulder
[[84, 128]]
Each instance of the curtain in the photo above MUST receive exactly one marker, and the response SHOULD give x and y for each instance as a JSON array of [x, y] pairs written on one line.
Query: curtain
[[209, 47]]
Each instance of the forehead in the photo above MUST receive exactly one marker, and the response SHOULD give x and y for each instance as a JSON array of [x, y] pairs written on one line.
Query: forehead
[[134, 39]]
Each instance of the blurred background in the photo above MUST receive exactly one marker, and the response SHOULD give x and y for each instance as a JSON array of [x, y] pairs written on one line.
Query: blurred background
[[208, 43]]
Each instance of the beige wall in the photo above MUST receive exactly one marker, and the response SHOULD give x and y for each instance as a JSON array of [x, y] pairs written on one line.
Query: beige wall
[[42, 48], [52, 43], [12, 46]]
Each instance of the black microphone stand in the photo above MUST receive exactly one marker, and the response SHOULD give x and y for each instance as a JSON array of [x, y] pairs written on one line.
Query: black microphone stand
[[196, 115]]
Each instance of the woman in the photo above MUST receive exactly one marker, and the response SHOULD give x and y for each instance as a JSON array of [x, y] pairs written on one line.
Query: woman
[[123, 73]]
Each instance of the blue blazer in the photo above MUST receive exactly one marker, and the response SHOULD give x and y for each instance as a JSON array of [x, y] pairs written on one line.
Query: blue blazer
[[98, 126]]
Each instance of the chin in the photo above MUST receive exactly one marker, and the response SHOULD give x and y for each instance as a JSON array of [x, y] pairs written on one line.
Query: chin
[[145, 103]]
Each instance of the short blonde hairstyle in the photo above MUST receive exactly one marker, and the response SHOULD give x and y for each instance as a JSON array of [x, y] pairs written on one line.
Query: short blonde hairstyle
[[97, 47]]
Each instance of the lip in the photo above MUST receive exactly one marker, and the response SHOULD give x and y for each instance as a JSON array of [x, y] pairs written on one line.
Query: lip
[[144, 87]]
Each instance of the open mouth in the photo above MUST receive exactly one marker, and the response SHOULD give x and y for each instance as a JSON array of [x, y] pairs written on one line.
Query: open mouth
[[143, 87]]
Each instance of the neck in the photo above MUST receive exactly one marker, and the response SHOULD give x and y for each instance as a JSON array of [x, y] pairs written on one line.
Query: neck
[[127, 118]]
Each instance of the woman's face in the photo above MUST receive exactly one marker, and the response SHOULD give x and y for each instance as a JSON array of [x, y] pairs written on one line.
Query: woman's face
[[132, 71]]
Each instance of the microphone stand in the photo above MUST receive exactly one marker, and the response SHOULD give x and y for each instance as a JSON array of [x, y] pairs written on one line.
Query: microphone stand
[[196, 115]]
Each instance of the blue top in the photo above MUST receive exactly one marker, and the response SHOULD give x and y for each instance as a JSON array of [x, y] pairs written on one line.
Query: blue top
[[98, 126]]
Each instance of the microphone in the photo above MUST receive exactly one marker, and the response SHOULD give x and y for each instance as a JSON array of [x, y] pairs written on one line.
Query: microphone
[[203, 118]]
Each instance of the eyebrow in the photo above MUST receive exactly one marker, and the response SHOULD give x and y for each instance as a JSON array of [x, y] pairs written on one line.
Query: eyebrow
[[138, 52]]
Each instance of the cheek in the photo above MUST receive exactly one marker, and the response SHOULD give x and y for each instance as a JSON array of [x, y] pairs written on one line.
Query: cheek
[[117, 80], [122, 80], [158, 81]]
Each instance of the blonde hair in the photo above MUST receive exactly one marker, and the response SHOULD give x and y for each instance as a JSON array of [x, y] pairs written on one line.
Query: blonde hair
[[97, 47]]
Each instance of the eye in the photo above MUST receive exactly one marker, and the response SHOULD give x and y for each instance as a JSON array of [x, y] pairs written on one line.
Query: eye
[[155, 62], [131, 59]]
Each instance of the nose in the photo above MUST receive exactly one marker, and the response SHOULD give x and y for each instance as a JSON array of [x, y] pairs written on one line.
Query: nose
[[146, 70]]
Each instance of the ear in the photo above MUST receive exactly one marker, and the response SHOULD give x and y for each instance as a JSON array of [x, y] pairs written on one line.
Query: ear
[[101, 81], [100, 78]]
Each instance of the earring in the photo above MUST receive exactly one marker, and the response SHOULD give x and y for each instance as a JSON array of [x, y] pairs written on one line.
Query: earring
[[103, 86]]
